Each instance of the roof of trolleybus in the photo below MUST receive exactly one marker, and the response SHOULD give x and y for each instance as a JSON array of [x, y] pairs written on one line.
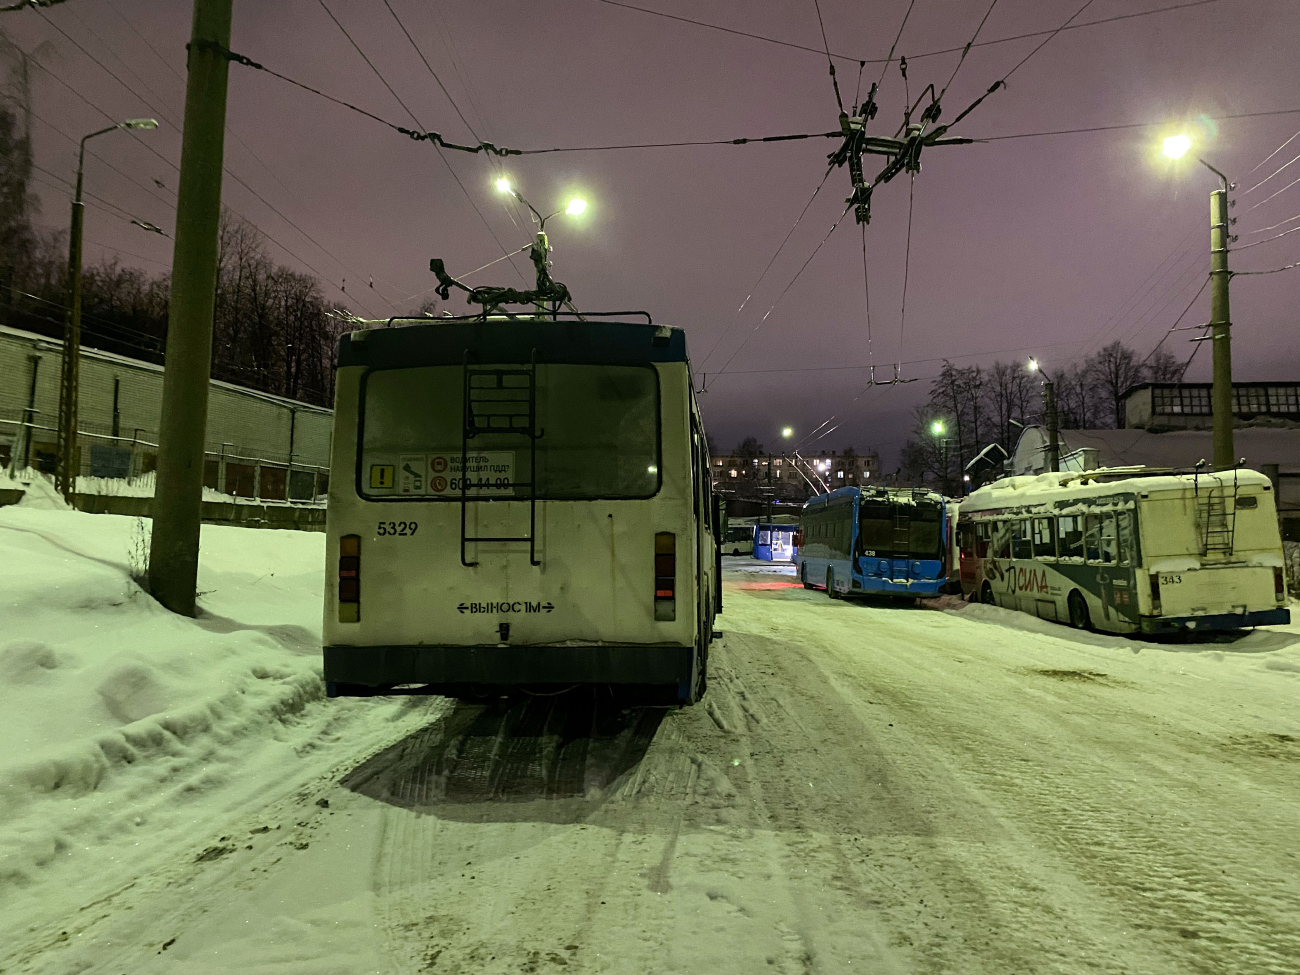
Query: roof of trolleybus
[[449, 341], [1031, 490]]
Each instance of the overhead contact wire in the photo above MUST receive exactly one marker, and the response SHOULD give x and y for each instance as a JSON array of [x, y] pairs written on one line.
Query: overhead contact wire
[[768, 267], [786, 289]]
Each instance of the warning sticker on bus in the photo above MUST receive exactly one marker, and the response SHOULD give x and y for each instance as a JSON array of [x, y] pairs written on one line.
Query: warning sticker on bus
[[486, 473]]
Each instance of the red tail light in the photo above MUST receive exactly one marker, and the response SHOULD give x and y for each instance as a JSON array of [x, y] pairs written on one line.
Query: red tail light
[[1155, 594], [1279, 584], [665, 576], [350, 579]]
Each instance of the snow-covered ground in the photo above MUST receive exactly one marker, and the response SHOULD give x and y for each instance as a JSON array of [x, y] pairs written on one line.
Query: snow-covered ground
[[865, 788]]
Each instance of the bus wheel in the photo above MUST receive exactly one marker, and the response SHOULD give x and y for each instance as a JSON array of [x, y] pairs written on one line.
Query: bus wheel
[[1079, 616], [986, 594], [803, 577], [830, 584]]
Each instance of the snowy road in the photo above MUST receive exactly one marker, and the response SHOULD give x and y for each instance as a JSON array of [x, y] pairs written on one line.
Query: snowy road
[[866, 788]]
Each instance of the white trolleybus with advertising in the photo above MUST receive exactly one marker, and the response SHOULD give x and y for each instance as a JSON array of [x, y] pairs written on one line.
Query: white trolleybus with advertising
[[519, 503], [1128, 550]]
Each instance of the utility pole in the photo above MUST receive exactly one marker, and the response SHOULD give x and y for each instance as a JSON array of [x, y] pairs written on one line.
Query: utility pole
[[69, 381], [1053, 440], [1049, 410], [178, 494], [1220, 324]]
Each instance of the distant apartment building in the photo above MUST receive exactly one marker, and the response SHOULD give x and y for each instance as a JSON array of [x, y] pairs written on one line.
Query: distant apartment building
[[787, 476]]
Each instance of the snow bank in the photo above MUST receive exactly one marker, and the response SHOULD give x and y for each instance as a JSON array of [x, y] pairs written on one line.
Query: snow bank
[[108, 701]]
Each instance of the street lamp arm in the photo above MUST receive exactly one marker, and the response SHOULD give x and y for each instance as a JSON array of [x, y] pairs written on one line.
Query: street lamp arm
[[540, 219], [1226, 185], [111, 128]]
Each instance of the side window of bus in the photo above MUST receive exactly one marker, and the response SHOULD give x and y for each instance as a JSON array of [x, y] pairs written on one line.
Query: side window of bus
[[966, 539], [1044, 538], [1002, 539], [1127, 550], [1109, 541], [1021, 546], [983, 531], [1092, 537], [1070, 530]]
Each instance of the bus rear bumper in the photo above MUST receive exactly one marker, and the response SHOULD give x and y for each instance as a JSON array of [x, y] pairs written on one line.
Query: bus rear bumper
[[1216, 622], [359, 671]]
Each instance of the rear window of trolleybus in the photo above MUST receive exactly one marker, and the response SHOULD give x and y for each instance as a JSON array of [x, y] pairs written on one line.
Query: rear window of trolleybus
[[916, 528], [597, 425]]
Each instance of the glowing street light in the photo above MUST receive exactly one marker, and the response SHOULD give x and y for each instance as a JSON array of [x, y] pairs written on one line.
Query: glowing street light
[[1176, 146], [787, 432], [937, 428], [576, 207], [503, 185]]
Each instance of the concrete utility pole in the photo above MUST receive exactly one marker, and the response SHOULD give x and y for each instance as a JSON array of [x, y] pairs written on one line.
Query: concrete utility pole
[[178, 495], [70, 379], [1053, 440], [1050, 414], [1220, 324]]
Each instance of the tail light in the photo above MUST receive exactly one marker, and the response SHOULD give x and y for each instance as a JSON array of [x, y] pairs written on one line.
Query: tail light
[[1155, 594], [1279, 584], [350, 579], [665, 576], [797, 540]]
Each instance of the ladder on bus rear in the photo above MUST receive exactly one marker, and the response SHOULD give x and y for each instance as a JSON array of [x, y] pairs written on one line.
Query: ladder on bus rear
[[902, 538], [1218, 518], [501, 400]]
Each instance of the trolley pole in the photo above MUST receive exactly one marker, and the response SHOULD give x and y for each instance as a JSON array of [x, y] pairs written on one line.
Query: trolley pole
[[1220, 324], [178, 495]]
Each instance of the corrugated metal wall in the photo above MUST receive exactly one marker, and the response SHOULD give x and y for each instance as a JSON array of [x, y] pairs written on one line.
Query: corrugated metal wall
[[255, 429]]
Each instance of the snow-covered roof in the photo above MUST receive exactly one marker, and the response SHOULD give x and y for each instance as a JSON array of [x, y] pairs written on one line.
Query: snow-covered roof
[[899, 495], [1173, 448], [145, 366], [1035, 489]]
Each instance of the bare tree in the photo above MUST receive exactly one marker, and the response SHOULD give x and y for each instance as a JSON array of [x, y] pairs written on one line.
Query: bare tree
[[1162, 366], [1116, 369], [1009, 393]]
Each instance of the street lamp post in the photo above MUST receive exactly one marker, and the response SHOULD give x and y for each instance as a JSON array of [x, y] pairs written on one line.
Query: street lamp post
[[938, 429], [71, 374], [1175, 147], [1049, 409]]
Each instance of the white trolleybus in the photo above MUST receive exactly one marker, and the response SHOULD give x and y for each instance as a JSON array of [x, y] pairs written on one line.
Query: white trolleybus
[[1128, 550], [519, 503]]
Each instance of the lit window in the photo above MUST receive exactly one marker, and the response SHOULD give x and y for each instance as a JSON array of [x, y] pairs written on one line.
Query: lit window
[[733, 473], [839, 474]]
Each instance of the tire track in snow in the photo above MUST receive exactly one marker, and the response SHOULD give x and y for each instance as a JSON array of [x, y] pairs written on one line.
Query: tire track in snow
[[1144, 860]]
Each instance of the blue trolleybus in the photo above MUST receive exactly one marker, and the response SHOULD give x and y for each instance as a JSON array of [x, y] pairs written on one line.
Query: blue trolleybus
[[886, 541]]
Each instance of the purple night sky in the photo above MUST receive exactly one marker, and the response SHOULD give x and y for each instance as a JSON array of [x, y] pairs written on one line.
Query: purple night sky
[[1022, 246]]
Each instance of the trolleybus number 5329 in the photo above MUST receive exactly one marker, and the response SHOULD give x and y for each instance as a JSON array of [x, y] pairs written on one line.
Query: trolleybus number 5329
[[398, 527]]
